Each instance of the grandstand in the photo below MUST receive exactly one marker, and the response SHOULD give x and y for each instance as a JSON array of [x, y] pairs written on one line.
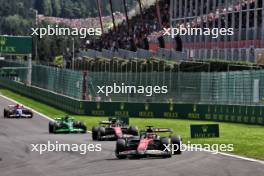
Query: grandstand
[[246, 17]]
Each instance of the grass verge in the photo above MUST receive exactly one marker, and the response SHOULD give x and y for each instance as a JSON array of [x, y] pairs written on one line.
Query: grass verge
[[247, 139]]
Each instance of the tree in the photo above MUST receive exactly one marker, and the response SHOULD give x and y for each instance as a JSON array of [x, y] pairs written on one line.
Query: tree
[[15, 25], [56, 4], [44, 7], [67, 9]]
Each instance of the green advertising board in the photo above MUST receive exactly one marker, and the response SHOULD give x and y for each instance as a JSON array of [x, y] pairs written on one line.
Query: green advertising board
[[15, 45], [205, 131]]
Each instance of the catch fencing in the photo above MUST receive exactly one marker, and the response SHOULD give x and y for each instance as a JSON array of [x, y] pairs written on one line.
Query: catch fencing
[[234, 88], [62, 81]]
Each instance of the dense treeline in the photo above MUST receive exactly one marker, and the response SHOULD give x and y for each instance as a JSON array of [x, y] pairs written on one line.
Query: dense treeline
[[77, 9], [60, 8], [18, 16]]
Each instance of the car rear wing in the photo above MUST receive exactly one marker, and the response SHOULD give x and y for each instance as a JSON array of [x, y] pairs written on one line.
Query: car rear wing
[[157, 130], [57, 118], [11, 106], [109, 123], [123, 120], [160, 130], [61, 118], [106, 122]]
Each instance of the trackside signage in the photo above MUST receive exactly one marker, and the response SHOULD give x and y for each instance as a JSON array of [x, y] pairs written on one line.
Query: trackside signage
[[15, 45], [205, 131]]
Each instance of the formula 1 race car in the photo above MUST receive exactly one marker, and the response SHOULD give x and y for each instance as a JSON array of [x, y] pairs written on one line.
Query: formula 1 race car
[[149, 144], [17, 111], [113, 129], [66, 125]]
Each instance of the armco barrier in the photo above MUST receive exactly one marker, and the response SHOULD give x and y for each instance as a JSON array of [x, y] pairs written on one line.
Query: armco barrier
[[62, 102], [219, 113]]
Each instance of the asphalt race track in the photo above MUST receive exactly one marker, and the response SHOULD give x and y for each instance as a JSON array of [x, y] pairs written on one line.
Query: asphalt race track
[[17, 159]]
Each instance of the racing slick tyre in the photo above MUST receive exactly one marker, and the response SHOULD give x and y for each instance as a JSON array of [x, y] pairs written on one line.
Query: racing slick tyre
[[94, 133], [100, 133], [31, 115], [176, 142], [133, 130], [83, 127], [76, 124], [55, 127], [164, 141], [51, 127], [5, 113], [120, 147]]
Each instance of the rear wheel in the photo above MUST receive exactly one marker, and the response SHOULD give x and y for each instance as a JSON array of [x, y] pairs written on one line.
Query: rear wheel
[[176, 142], [83, 127], [94, 133], [120, 147]]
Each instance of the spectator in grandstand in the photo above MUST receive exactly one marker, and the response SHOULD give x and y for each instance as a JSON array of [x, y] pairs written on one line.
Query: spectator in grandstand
[[97, 98]]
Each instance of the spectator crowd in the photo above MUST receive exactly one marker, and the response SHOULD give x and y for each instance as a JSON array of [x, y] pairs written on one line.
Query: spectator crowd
[[84, 22], [135, 34]]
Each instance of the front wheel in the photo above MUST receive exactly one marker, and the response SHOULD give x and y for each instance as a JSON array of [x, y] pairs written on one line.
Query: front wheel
[[51, 127], [164, 142], [120, 147], [83, 127], [5, 113], [94, 133], [31, 115]]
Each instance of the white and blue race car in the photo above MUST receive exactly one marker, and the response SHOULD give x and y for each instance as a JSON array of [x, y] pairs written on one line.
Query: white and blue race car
[[17, 111]]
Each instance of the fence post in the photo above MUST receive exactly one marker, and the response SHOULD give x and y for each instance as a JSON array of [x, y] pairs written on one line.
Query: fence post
[[84, 89], [29, 73]]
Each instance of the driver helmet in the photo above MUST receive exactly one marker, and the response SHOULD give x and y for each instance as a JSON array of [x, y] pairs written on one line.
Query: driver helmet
[[114, 122], [149, 130], [66, 118]]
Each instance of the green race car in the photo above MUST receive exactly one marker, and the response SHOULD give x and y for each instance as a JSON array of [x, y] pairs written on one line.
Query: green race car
[[66, 125]]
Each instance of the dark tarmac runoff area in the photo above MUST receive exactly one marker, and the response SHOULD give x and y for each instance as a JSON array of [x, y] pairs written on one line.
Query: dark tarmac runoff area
[[18, 159]]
